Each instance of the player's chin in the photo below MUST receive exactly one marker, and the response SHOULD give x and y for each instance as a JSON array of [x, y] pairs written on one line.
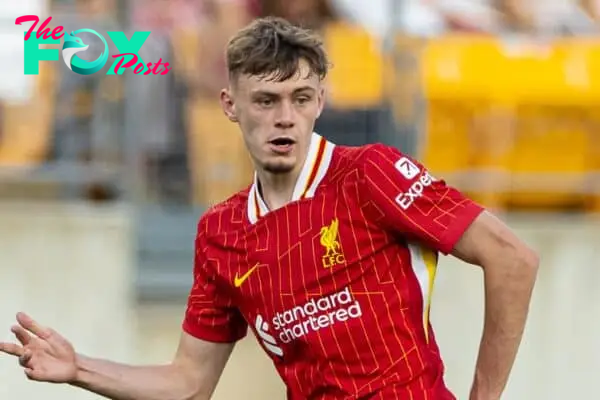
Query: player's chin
[[280, 165]]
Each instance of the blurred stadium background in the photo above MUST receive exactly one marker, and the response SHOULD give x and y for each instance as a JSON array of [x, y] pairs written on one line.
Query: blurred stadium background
[[103, 178]]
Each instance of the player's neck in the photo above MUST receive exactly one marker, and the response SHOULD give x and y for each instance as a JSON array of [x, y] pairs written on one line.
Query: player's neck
[[276, 189]]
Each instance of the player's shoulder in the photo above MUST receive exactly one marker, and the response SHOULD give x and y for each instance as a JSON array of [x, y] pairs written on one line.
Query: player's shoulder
[[358, 157], [224, 215]]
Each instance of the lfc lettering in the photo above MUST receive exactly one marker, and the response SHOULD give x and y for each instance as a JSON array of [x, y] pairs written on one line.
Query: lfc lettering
[[332, 260]]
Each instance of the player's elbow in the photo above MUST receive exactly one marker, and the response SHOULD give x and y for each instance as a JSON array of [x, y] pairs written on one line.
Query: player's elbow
[[530, 259], [520, 262], [185, 385], [501, 253]]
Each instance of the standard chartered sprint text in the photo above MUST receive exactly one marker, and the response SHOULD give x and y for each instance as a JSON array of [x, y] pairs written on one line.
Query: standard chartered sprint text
[[315, 315], [406, 199]]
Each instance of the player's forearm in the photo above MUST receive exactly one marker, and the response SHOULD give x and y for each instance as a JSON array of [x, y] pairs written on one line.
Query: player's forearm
[[124, 382], [508, 289]]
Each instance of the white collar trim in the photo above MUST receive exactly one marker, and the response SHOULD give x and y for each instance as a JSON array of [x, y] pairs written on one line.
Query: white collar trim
[[316, 165]]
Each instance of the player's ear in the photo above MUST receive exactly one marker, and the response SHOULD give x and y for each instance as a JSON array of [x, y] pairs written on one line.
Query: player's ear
[[321, 100], [228, 105]]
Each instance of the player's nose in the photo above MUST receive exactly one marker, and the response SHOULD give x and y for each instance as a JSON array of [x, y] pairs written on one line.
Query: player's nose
[[284, 118]]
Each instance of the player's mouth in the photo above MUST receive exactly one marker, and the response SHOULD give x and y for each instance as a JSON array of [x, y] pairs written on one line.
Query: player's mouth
[[282, 145]]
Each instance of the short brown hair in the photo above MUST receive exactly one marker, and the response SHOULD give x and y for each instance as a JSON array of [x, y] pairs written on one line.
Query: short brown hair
[[272, 47]]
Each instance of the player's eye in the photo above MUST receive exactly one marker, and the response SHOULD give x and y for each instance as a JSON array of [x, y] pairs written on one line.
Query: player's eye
[[302, 100], [265, 102]]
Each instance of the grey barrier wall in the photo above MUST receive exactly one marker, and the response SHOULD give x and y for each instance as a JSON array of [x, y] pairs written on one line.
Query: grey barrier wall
[[70, 267]]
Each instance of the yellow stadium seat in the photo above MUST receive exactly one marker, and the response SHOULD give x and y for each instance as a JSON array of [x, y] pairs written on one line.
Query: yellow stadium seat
[[461, 67], [456, 82], [447, 145], [517, 111], [27, 128], [582, 73], [532, 73], [549, 158], [218, 162], [356, 76], [581, 69]]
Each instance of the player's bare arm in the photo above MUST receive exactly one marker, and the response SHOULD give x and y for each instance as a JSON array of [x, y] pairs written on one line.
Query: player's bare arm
[[46, 356], [424, 208], [510, 269]]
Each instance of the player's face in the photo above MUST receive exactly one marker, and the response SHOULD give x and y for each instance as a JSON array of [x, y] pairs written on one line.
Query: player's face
[[276, 118]]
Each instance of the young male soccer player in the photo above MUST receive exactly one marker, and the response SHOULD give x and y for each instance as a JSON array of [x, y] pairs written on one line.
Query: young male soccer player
[[329, 258]]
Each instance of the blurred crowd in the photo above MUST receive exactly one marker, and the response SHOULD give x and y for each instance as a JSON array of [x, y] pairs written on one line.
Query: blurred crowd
[[170, 130], [501, 17]]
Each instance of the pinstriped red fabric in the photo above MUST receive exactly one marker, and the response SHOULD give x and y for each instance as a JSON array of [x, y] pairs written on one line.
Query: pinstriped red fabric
[[336, 285]]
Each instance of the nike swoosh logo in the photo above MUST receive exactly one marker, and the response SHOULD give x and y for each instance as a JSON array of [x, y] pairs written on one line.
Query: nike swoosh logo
[[238, 280]]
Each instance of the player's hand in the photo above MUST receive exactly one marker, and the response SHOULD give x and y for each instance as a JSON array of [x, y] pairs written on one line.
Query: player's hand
[[44, 354]]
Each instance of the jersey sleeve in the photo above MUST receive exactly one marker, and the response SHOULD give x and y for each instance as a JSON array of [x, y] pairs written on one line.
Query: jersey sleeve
[[408, 200], [211, 314]]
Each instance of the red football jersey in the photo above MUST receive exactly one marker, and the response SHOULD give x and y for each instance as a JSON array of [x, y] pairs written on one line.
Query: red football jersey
[[336, 285]]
